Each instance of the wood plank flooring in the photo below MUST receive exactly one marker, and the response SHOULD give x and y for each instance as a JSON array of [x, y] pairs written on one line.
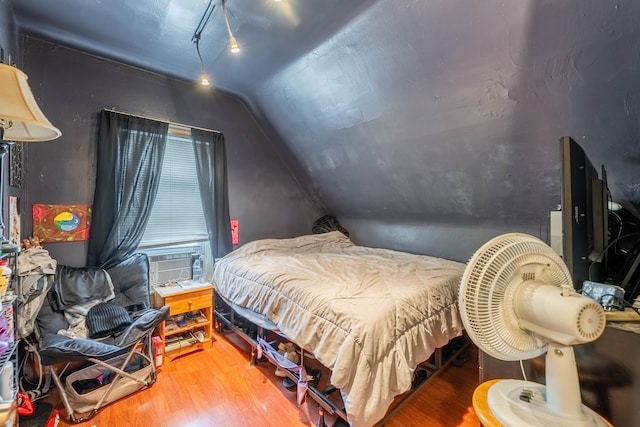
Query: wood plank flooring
[[218, 387]]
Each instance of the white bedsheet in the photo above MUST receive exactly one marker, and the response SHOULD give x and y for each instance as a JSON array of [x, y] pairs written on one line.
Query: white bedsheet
[[370, 315]]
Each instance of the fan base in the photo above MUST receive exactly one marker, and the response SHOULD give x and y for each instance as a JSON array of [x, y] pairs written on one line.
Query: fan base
[[518, 403]]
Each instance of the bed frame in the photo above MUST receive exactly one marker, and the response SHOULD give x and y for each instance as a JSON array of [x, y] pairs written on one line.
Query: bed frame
[[227, 320]]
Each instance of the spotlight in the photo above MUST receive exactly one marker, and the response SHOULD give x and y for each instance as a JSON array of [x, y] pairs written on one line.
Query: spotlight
[[234, 47], [204, 79]]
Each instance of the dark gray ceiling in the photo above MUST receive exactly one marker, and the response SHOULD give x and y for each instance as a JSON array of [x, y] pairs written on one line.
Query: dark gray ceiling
[[157, 34], [406, 110]]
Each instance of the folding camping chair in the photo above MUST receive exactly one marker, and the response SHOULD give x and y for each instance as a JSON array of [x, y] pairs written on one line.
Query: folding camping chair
[[117, 358]]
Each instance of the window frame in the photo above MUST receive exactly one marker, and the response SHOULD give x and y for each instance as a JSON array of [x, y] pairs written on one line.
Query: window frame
[[173, 204]]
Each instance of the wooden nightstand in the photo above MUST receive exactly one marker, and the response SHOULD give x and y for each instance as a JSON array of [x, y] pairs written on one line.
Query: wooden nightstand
[[191, 310]]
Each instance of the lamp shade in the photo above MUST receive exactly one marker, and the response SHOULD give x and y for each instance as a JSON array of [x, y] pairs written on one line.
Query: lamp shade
[[20, 116]]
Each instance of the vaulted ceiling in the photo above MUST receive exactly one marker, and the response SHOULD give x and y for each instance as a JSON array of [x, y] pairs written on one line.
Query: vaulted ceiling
[[158, 35], [446, 110]]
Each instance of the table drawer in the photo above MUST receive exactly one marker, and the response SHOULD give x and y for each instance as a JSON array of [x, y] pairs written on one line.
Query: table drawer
[[193, 301]]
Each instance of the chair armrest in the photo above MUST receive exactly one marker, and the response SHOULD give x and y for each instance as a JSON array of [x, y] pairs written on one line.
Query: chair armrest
[[56, 348], [145, 322]]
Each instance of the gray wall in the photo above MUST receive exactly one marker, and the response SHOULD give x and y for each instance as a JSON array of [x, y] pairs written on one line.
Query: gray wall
[[9, 42], [72, 87], [433, 126], [452, 241], [8, 36], [429, 127]]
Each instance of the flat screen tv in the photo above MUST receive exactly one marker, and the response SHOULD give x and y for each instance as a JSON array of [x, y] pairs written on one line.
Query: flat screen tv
[[584, 201]]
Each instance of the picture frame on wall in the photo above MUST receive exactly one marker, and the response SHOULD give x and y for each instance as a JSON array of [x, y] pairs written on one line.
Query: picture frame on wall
[[61, 223]]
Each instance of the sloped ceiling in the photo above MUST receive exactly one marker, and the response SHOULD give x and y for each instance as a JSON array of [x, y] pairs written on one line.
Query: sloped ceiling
[[158, 35], [402, 110]]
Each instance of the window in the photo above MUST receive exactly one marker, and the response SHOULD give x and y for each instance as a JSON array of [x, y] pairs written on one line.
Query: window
[[128, 168], [176, 217]]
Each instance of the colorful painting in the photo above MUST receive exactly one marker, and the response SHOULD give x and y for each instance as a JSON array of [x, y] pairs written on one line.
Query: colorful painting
[[61, 223]]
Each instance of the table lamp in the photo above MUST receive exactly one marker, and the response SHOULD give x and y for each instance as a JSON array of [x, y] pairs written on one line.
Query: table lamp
[[21, 120]]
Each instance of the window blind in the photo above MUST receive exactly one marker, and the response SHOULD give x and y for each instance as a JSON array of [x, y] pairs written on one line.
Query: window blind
[[176, 216]]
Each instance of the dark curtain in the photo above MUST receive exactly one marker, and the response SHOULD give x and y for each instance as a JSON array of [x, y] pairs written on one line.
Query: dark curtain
[[130, 154], [211, 165]]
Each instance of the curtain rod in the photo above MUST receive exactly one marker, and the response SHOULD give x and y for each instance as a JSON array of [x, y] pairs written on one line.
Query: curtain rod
[[113, 110]]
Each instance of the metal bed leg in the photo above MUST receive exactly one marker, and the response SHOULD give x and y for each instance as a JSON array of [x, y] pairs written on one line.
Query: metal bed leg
[[439, 358], [437, 361]]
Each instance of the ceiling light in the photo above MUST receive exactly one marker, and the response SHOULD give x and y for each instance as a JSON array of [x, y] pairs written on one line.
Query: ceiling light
[[204, 78], [21, 120], [234, 47]]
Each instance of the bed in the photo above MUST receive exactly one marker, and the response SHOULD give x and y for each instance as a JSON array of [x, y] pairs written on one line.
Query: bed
[[369, 315]]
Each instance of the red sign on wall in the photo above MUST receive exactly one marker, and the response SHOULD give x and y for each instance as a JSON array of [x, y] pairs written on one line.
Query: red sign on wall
[[235, 231]]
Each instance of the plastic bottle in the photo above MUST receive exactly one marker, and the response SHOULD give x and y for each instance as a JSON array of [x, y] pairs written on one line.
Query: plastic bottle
[[196, 271], [6, 381], [6, 272]]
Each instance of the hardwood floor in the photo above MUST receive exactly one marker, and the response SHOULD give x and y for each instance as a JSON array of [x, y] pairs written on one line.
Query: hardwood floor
[[218, 387]]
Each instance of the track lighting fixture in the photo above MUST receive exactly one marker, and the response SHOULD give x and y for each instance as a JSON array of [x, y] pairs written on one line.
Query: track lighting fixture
[[234, 47], [204, 78]]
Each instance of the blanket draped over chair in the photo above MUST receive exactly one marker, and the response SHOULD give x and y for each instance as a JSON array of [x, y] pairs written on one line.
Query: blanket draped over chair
[[65, 308]]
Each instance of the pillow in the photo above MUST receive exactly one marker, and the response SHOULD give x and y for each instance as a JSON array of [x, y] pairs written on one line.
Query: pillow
[[75, 285], [107, 318], [130, 278], [304, 243]]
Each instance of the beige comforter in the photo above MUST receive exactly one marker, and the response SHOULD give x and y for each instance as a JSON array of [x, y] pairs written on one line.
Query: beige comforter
[[370, 315]]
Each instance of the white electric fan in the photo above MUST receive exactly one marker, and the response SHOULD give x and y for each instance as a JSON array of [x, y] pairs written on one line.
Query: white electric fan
[[517, 302]]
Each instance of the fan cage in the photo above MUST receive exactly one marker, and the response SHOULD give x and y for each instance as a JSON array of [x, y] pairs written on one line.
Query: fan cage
[[487, 288]]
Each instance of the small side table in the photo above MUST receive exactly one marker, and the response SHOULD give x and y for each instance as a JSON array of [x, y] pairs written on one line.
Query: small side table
[[190, 326]]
